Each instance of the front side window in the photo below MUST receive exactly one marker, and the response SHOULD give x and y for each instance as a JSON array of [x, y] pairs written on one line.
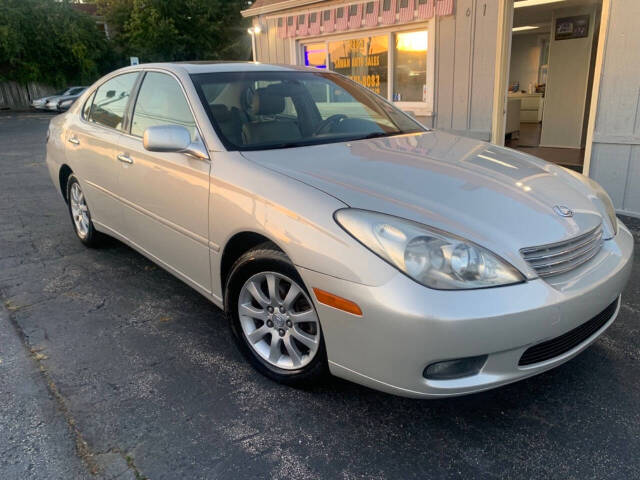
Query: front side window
[[161, 102], [266, 110], [363, 60], [110, 101]]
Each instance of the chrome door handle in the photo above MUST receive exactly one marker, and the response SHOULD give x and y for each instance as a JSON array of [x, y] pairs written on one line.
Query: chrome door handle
[[74, 140], [124, 158]]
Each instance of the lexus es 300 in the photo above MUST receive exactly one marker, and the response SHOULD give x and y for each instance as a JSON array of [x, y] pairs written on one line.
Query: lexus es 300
[[338, 234]]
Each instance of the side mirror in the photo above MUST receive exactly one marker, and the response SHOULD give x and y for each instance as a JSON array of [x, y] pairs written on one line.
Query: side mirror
[[172, 138]]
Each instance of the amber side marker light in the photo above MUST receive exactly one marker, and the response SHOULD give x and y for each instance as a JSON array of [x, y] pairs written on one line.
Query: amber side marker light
[[335, 301]]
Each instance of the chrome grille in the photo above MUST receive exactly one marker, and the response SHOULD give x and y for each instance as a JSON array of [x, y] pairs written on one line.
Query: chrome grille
[[562, 257]]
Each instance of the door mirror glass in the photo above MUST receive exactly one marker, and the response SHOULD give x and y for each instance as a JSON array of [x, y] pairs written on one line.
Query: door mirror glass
[[166, 138]]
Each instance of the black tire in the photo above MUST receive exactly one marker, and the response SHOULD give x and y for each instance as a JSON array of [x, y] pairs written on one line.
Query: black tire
[[268, 258], [92, 238]]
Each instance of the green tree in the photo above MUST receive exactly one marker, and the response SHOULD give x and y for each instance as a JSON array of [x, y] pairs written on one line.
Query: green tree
[[170, 30], [48, 41]]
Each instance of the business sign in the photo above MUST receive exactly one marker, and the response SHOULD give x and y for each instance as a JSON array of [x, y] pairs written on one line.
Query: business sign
[[572, 27], [363, 60]]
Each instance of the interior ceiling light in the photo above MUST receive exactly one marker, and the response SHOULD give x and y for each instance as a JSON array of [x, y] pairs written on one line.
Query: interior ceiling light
[[533, 3], [522, 29]]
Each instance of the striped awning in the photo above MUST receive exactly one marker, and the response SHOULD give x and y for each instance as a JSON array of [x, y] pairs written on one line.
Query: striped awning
[[361, 14]]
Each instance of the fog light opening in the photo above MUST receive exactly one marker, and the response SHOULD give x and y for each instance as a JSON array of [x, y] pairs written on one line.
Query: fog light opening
[[453, 369]]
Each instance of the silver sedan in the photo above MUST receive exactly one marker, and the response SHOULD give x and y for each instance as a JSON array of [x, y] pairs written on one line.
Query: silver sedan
[[53, 102], [338, 234]]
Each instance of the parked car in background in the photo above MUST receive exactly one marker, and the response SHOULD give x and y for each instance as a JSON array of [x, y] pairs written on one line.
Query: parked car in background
[[65, 102], [40, 103], [337, 232], [51, 102]]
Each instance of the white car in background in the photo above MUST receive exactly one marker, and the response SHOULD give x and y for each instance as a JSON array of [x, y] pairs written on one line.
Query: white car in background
[[338, 233], [52, 102]]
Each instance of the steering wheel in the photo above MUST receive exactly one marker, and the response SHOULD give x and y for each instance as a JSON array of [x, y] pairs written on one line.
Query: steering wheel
[[327, 122]]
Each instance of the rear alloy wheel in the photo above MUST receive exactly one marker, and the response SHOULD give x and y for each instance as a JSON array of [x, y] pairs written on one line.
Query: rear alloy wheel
[[79, 212], [273, 318]]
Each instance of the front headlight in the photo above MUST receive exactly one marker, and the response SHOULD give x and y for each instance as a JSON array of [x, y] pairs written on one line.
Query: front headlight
[[431, 257]]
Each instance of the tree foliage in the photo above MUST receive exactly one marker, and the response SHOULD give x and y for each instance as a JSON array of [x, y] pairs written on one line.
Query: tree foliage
[[173, 30], [48, 41]]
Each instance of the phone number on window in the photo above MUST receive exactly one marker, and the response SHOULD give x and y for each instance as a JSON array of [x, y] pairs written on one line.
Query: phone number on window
[[370, 81]]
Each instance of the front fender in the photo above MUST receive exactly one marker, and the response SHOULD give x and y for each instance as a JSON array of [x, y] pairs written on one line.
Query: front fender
[[247, 197]]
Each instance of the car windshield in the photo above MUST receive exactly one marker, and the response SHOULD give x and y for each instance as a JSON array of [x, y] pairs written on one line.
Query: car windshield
[[283, 109]]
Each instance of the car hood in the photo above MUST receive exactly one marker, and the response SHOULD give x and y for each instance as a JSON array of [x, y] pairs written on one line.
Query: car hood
[[500, 198]]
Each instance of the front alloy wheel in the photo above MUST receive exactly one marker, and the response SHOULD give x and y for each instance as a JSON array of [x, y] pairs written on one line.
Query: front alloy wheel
[[273, 319], [278, 320]]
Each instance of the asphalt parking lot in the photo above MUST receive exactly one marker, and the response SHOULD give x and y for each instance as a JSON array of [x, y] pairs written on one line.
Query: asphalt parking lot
[[111, 366]]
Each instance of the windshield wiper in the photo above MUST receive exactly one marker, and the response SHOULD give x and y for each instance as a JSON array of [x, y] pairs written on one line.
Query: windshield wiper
[[387, 134], [378, 134], [322, 141], [273, 147]]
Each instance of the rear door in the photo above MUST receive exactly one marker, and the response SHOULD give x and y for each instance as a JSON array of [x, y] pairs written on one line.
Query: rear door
[[166, 195], [92, 148]]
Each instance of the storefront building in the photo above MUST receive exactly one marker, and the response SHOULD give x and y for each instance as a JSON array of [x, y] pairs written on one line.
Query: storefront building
[[446, 62]]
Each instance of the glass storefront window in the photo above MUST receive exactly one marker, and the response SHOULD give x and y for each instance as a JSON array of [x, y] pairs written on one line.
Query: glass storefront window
[[315, 55], [410, 69], [363, 60]]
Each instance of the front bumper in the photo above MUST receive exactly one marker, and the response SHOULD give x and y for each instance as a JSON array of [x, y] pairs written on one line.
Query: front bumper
[[405, 326]]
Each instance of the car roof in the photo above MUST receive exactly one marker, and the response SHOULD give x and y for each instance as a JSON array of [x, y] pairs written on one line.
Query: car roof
[[213, 67]]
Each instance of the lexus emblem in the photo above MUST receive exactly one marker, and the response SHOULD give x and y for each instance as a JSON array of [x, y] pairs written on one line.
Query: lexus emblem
[[563, 211]]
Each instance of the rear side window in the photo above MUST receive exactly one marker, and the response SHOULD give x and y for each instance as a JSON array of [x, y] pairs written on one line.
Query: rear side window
[[161, 102], [110, 101]]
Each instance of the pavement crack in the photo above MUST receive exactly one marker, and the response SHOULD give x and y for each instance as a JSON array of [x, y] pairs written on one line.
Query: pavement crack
[[100, 305], [126, 460], [82, 448], [133, 467]]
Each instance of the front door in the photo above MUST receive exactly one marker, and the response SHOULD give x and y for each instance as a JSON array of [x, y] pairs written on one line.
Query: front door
[[166, 195]]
